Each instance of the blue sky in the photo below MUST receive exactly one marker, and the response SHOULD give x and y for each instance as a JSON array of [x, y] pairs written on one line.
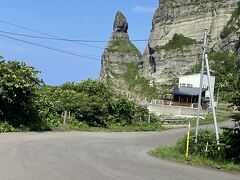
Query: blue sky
[[73, 19]]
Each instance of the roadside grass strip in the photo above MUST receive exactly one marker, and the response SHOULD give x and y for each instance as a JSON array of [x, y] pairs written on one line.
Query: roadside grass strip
[[173, 153]]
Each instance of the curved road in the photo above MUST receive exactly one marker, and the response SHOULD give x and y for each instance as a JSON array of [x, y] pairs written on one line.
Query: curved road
[[89, 156]]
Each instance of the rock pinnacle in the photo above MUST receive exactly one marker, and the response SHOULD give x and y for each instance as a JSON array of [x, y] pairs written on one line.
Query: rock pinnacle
[[120, 23]]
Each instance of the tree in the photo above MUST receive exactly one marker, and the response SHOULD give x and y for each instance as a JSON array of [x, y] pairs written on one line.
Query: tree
[[18, 85], [89, 101]]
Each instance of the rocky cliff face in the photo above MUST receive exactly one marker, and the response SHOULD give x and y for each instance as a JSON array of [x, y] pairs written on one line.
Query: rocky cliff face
[[188, 18], [174, 44], [118, 54]]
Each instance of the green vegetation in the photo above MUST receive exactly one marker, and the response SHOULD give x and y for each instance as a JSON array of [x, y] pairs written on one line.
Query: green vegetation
[[178, 41], [136, 127], [194, 69], [123, 46], [27, 104], [89, 102], [173, 153], [137, 83], [209, 118], [207, 152], [18, 87], [233, 24], [6, 127], [225, 68]]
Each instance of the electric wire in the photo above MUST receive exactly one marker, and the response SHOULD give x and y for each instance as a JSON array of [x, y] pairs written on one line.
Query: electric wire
[[71, 40], [50, 48], [76, 40], [43, 33]]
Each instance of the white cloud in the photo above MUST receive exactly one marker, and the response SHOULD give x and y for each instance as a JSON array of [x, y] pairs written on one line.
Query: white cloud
[[144, 9]]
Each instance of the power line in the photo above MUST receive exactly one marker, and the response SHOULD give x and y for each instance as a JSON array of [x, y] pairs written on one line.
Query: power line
[[43, 33], [50, 48], [64, 39], [77, 40]]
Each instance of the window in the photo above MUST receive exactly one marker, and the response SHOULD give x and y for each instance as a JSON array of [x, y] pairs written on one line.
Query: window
[[189, 85], [182, 85]]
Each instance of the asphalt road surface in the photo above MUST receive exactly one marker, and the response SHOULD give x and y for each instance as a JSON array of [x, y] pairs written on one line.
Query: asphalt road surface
[[100, 156]]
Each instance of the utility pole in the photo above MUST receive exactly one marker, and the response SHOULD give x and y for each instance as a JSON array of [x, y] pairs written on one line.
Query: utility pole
[[201, 83], [206, 63], [212, 99]]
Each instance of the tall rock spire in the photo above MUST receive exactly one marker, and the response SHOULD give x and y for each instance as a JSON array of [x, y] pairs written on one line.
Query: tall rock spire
[[120, 23], [120, 28], [119, 53]]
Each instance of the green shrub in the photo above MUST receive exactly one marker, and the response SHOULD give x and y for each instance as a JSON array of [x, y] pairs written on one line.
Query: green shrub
[[206, 145], [228, 148], [18, 86], [6, 127], [178, 41], [231, 140], [90, 102]]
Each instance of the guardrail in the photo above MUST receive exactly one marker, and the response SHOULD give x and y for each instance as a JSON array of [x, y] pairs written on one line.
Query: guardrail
[[174, 121]]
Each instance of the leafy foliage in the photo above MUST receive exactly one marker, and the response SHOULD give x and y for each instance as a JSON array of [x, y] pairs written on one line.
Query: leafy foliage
[[232, 144], [6, 127], [225, 68], [89, 101], [206, 145], [18, 85], [227, 150]]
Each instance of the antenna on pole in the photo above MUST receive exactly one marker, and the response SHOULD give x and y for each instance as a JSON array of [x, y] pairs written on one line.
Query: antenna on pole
[[203, 64]]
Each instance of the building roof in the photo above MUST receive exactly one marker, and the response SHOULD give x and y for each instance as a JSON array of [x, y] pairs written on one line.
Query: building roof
[[187, 91], [196, 74]]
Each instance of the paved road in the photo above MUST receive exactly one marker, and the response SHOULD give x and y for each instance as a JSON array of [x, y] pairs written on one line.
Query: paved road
[[89, 156]]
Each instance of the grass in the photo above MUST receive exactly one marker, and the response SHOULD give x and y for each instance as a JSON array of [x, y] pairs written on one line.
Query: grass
[[138, 83], [136, 127], [173, 153], [178, 41], [209, 119], [143, 126], [124, 46]]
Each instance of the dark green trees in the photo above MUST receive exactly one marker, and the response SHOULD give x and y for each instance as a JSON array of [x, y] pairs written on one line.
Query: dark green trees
[[18, 85]]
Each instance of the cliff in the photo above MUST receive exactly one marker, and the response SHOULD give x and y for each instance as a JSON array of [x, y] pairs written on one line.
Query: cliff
[[163, 62], [119, 53], [174, 46]]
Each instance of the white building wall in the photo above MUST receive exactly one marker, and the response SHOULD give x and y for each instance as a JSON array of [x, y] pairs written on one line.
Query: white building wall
[[193, 80]]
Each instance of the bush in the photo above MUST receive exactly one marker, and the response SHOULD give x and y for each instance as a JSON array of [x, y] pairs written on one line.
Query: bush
[[6, 127], [227, 150], [206, 145], [90, 101], [179, 41], [18, 85], [231, 141]]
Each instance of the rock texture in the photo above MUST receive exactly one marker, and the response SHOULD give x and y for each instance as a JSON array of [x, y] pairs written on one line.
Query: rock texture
[[162, 64], [119, 52], [189, 18]]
